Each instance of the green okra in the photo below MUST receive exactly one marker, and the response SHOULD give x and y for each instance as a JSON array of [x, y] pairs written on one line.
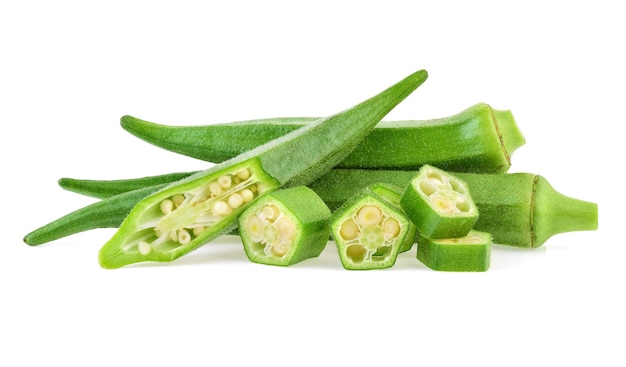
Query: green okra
[[103, 189], [518, 209], [439, 204], [478, 139], [107, 213], [285, 227], [469, 253], [188, 213], [370, 229]]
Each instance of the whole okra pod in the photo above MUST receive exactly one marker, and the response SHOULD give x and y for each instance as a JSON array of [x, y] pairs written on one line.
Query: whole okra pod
[[478, 139]]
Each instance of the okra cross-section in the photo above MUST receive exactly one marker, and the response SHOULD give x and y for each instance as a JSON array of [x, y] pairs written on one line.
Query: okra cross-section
[[370, 229], [439, 204], [469, 253], [177, 219], [285, 227]]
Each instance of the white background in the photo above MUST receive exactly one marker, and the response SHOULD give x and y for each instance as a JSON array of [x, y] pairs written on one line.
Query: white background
[[70, 70]]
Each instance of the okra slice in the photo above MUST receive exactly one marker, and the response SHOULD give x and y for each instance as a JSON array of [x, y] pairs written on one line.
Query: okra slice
[[370, 228], [439, 204], [285, 227], [469, 253]]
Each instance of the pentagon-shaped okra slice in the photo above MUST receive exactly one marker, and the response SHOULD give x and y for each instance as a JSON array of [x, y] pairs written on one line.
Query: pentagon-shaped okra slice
[[285, 227], [370, 229], [469, 253], [439, 204]]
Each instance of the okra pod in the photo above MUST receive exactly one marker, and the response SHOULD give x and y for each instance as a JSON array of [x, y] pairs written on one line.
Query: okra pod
[[439, 204], [518, 209], [469, 253], [189, 213], [478, 139], [370, 228], [285, 227]]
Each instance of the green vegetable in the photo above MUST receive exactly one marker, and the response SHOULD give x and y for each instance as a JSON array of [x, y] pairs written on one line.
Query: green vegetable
[[188, 213], [478, 139], [469, 253], [370, 228], [439, 204], [285, 227], [518, 209], [108, 213], [104, 189]]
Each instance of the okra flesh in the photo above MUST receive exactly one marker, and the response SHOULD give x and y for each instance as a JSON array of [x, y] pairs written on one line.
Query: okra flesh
[[369, 232], [439, 204], [285, 227], [469, 253], [157, 229], [478, 139]]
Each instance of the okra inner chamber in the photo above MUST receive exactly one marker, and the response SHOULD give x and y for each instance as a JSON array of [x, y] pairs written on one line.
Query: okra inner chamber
[[271, 230], [445, 193], [179, 218], [368, 232]]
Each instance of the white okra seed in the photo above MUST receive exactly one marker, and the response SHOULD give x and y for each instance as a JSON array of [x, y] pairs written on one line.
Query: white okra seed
[[198, 231], [247, 195], [244, 174], [280, 249], [144, 248], [254, 227], [167, 206], [286, 229], [391, 227], [215, 188], [235, 201], [178, 200], [225, 181], [183, 237], [349, 230], [220, 208], [443, 205], [270, 212], [369, 215]]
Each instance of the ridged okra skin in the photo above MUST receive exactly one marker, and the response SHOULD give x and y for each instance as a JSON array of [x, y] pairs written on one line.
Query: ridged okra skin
[[370, 229], [478, 139], [285, 227], [189, 213], [102, 189], [518, 209], [439, 204], [469, 253]]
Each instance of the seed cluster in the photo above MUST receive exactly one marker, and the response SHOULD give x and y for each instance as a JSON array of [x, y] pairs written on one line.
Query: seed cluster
[[205, 206], [369, 233], [272, 229], [446, 194]]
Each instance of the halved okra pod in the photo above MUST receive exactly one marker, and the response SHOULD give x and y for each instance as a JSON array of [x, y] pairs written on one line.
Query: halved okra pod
[[469, 253], [285, 227], [370, 229], [439, 204], [518, 209], [478, 139], [189, 213]]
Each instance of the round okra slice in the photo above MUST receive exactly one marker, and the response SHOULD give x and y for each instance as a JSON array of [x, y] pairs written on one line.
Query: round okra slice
[[469, 253], [370, 229], [439, 204], [285, 227]]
